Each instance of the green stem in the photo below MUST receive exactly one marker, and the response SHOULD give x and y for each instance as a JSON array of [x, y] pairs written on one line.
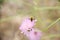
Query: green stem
[[51, 25]]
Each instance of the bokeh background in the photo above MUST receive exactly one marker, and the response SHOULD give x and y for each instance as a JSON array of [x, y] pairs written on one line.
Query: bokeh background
[[12, 12]]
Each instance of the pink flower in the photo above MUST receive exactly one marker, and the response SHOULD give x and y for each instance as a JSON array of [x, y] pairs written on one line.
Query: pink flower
[[28, 30], [26, 24], [34, 34]]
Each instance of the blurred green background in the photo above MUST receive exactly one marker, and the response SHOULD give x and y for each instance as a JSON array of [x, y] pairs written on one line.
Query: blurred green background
[[12, 12]]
